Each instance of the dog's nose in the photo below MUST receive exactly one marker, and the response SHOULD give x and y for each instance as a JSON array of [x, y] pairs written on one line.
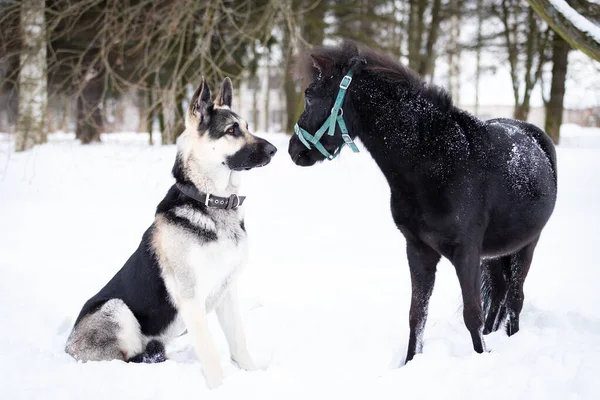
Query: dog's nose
[[270, 149]]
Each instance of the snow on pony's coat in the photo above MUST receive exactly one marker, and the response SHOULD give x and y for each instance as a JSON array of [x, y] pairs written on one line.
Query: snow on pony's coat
[[460, 187]]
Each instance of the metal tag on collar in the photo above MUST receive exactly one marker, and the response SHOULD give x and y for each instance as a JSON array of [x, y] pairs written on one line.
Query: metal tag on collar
[[349, 142], [345, 82], [233, 203]]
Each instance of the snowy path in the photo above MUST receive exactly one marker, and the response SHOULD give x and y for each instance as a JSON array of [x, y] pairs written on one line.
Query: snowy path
[[325, 316]]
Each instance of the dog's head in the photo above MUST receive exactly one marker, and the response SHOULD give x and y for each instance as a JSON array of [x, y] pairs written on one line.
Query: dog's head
[[216, 137]]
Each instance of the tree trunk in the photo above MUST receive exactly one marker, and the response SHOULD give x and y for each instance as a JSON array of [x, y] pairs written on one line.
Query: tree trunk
[[161, 124], [454, 53], [521, 112], [478, 54], [174, 115], [89, 112], [512, 50], [33, 92], [255, 103], [268, 96], [64, 123], [578, 39], [427, 60], [522, 108], [314, 26], [415, 29], [554, 108], [292, 97], [179, 126], [149, 114]]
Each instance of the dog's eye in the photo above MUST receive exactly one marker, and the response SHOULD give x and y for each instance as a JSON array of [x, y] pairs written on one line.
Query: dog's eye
[[231, 131]]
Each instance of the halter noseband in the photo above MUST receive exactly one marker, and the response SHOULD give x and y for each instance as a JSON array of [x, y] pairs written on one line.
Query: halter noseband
[[336, 117]]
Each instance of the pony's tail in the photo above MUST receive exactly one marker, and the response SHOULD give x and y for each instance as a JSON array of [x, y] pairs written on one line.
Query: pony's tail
[[495, 281], [486, 288], [154, 353]]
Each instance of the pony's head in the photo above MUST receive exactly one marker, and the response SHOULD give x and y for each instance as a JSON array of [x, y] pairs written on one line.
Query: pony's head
[[323, 71]]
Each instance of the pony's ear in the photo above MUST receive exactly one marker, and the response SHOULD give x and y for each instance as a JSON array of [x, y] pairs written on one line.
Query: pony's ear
[[225, 96], [350, 48], [357, 64], [201, 100], [321, 63]]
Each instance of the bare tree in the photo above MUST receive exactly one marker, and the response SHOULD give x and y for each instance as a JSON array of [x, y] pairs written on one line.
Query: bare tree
[[526, 44], [554, 106], [302, 27], [33, 94], [479, 43], [454, 50], [101, 50]]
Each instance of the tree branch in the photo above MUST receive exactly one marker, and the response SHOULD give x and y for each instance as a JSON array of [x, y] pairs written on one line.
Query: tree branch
[[567, 29]]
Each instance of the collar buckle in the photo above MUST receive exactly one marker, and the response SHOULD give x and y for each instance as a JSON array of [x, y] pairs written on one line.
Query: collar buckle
[[347, 138], [345, 82]]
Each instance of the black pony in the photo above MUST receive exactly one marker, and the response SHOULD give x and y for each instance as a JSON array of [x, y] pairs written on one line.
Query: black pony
[[476, 192]]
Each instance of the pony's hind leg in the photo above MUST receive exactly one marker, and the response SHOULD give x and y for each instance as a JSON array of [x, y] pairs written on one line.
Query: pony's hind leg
[[519, 267], [422, 261], [467, 261], [495, 281]]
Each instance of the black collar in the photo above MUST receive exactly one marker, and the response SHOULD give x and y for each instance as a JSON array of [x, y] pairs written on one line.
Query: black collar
[[227, 203]]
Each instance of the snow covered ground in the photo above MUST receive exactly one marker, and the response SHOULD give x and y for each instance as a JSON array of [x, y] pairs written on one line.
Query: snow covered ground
[[325, 296]]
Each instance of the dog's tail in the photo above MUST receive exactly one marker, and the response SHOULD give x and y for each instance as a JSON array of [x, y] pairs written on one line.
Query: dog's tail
[[154, 353]]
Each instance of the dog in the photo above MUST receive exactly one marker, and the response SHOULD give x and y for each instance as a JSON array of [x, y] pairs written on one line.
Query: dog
[[189, 258]]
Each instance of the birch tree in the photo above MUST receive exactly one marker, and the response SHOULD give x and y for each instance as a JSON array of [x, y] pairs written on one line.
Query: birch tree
[[33, 93]]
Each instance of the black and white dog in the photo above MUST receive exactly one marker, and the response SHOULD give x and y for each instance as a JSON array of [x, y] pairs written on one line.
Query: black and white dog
[[188, 260]]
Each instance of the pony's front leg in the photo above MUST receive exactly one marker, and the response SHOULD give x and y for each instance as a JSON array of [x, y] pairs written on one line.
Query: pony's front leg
[[230, 319], [422, 261], [467, 261]]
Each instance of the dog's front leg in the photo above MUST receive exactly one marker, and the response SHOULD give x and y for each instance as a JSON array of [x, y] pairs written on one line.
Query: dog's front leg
[[193, 313], [230, 319]]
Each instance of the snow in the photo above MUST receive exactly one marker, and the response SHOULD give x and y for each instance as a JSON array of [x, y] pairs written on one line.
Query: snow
[[580, 22], [527, 159], [325, 296]]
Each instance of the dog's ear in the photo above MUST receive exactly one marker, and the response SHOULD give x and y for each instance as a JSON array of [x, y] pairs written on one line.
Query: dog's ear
[[201, 101], [225, 96]]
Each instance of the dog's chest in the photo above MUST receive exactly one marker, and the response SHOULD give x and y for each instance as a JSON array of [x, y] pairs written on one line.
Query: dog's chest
[[216, 264], [203, 261]]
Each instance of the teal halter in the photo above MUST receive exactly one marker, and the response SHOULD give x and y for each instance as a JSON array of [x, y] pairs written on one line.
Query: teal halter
[[336, 116]]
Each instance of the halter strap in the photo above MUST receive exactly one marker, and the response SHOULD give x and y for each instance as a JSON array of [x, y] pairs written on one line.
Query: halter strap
[[335, 118]]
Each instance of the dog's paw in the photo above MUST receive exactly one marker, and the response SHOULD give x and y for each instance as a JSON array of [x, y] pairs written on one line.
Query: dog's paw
[[245, 362], [213, 381], [214, 375]]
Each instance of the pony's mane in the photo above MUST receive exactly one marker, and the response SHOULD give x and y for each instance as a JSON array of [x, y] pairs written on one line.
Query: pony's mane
[[380, 65]]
